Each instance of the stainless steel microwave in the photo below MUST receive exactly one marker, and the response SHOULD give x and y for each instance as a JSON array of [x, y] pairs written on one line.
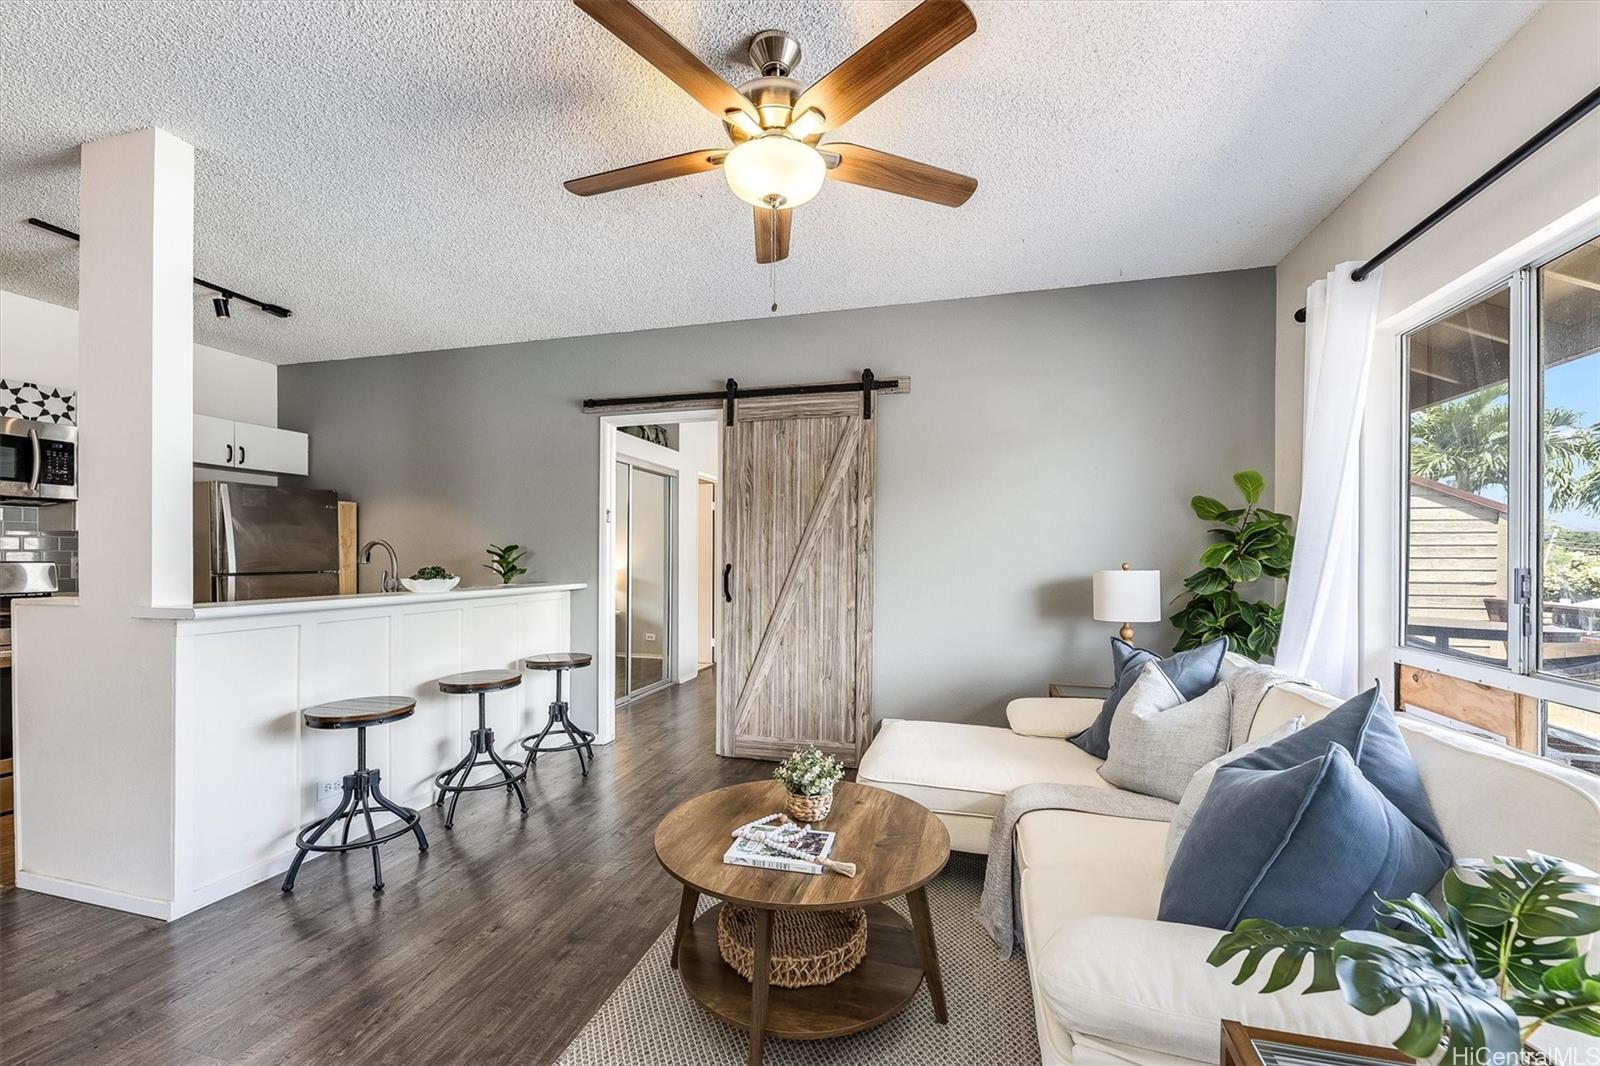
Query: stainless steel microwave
[[38, 460]]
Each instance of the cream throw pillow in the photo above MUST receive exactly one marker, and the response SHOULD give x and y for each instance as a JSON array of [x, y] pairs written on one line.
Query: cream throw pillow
[[1200, 783], [1158, 741]]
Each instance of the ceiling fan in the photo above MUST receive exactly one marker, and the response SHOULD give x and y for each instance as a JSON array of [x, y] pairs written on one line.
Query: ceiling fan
[[778, 160]]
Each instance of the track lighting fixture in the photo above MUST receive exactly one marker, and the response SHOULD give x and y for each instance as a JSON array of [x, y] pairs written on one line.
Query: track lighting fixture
[[219, 303]]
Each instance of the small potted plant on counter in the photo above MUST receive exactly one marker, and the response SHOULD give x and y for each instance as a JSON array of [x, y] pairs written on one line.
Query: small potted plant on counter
[[809, 776], [431, 579], [505, 560]]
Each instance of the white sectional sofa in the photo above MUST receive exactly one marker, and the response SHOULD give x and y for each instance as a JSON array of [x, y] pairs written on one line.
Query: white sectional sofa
[[1110, 983]]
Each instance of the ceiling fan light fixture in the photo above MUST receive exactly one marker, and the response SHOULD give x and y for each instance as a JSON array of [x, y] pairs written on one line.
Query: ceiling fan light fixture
[[775, 171]]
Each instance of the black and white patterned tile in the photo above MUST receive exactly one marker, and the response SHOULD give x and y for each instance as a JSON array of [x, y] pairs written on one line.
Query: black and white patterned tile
[[24, 399]]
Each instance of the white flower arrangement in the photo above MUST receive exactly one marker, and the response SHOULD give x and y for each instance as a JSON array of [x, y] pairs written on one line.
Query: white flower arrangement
[[808, 772]]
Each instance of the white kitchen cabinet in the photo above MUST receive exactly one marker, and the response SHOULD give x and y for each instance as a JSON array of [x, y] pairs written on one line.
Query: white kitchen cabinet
[[213, 441], [247, 446], [270, 450]]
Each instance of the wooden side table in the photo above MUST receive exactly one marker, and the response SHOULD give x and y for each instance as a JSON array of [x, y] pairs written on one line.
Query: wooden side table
[[1249, 1045], [899, 845]]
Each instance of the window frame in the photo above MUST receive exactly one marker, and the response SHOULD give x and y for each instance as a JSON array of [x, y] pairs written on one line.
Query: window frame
[[1523, 672]]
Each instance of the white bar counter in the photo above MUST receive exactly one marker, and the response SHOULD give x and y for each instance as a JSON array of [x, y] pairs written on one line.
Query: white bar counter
[[245, 774]]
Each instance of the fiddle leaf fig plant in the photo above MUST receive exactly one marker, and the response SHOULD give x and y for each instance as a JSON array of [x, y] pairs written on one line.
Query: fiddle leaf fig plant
[[1503, 960], [1252, 542], [505, 560]]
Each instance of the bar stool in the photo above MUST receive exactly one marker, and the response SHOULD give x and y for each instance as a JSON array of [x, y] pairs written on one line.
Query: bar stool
[[361, 789], [582, 739], [482, 682]]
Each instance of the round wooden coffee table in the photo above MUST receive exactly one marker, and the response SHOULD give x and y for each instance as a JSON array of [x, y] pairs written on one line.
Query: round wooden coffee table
[[898, 846]]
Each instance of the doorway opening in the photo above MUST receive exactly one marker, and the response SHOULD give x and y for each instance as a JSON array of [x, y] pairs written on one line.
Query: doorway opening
[[658, 471]]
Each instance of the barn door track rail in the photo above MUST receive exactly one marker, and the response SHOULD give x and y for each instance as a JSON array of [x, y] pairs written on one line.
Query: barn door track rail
[[731, 393]]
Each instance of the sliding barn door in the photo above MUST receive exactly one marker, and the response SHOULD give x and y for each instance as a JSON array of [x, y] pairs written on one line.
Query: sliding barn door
[[794, 652]]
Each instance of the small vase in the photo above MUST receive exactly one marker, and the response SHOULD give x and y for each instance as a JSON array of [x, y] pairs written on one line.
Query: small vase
[[808, 809]]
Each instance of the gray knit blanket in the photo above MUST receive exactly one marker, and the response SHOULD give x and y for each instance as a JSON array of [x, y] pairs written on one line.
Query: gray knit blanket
[[999, 910]]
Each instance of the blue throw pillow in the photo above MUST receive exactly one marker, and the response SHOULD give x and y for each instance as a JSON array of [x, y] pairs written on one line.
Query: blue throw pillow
[[1365, 728], [1191, 672], [1314, 844]]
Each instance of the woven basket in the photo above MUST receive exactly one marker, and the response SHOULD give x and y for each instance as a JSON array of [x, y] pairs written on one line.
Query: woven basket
[[808, 809], [808, 947]]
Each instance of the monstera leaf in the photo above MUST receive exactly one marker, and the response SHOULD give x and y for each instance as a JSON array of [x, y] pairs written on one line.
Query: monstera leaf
[[1524, 915], [1257, 938], [1508, 952], [1568, 996], [1427, 963]]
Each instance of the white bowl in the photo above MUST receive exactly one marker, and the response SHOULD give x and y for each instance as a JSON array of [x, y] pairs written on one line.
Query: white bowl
[[432, 584]]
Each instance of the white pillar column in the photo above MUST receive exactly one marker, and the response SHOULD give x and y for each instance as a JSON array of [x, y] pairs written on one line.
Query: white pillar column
[[136, 369]]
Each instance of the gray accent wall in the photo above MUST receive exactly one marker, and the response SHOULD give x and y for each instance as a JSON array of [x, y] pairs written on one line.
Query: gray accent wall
[[1046, 435]]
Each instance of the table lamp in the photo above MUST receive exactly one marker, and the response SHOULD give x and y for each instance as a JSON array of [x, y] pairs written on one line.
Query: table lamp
[[1127, 596]]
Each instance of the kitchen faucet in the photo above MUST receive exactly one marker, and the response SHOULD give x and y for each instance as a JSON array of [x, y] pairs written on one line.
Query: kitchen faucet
[[391, 577]]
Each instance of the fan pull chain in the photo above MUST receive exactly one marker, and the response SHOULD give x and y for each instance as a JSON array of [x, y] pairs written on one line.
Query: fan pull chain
[[772, 263]]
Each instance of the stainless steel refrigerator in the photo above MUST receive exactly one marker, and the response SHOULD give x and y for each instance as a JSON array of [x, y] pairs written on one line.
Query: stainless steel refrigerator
[[261, 542]]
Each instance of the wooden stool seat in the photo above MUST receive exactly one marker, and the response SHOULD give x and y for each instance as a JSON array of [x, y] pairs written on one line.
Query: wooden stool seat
[[480, 681], [558, 660], [358, 712]]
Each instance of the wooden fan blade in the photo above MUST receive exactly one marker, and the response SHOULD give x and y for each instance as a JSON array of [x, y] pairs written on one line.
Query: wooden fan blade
[[673, 166], [772, 234], [922, 35], [904, 177], [663, 51]]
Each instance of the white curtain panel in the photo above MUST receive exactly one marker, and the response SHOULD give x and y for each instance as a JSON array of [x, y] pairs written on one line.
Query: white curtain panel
[[1321, 627]]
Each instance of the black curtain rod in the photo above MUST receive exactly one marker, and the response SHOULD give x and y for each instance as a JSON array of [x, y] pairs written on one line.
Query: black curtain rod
[[1488, 178], [226, 293]]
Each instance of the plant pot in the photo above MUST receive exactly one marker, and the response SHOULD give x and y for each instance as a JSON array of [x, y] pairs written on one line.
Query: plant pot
[[808, 809]]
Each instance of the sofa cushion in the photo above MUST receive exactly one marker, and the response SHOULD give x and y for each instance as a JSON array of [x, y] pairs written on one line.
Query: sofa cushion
[[1055, 848], [1315, 844], [954, 768], [1191, 673], [1147, 984], [1365, 727], [1158, 740]]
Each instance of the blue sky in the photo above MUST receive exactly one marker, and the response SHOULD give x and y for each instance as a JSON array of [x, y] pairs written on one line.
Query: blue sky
[[1576, 384]]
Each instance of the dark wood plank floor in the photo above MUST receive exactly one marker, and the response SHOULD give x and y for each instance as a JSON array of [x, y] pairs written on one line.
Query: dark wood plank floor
[[496, 946]]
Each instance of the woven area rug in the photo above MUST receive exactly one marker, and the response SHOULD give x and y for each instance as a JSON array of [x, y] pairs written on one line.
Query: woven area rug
[[651, 1019]]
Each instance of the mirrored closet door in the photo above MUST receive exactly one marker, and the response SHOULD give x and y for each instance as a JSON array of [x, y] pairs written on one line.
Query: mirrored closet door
[[642, 552]]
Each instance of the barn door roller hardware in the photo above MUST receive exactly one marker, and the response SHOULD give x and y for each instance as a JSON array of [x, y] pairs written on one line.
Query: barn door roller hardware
[[1567, 118], [731, 393]]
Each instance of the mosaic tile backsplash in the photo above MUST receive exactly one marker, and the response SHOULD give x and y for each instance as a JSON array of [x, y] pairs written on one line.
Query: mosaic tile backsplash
[[21, 540]]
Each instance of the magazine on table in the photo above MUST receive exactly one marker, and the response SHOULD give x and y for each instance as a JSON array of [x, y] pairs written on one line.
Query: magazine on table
[[746, 852]]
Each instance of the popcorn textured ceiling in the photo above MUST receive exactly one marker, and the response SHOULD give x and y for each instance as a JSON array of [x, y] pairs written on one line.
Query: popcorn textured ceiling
[[392, 170]]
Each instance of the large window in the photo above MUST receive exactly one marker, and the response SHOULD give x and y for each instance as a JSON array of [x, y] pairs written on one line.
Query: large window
[[1502, 535]]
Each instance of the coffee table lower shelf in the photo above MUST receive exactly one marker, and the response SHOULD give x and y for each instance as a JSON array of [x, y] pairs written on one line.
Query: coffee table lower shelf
[[871, 994]]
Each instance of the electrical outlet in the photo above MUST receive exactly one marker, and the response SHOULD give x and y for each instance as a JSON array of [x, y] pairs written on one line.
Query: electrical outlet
[[332, 786], [649, 638]]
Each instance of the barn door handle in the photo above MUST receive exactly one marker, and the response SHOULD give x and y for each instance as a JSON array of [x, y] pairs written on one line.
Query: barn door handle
[[727, 589]]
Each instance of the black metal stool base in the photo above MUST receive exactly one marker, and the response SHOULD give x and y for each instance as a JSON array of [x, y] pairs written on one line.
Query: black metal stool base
[[511, 774], [361, 791], [580, 740]]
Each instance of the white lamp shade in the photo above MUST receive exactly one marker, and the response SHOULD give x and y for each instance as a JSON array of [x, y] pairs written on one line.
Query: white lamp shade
[[1127, 595]]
